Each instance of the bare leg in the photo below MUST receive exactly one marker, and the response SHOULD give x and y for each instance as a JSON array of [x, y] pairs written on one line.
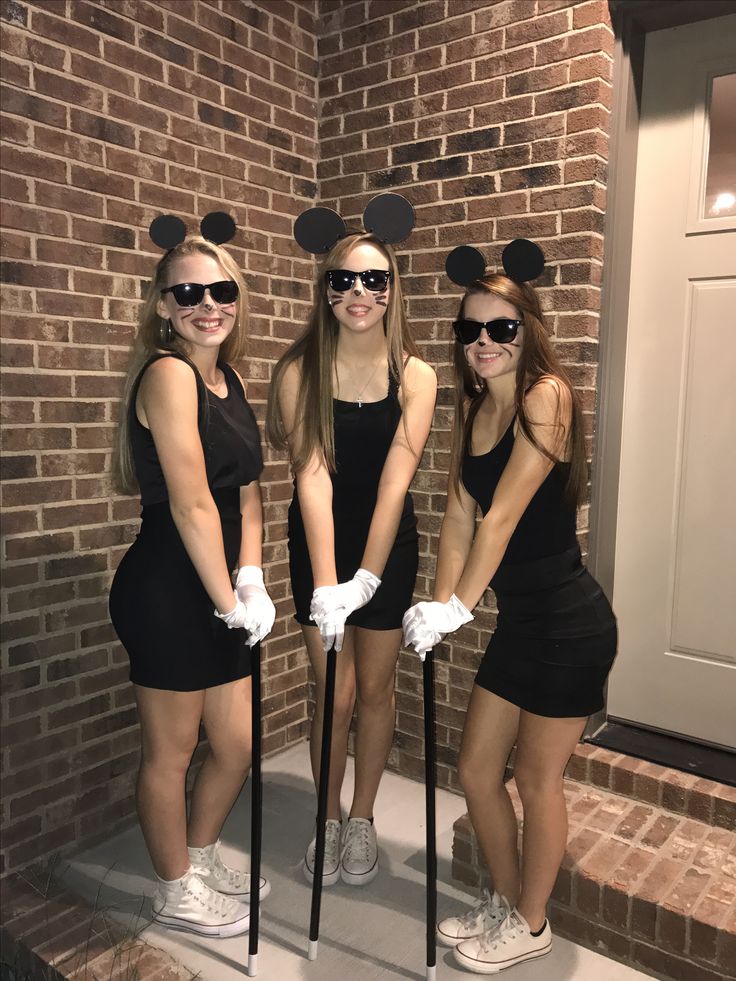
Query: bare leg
[[227, 720], [376, 652], [342, 713], [169, 734], [543, 749], [488, 737]]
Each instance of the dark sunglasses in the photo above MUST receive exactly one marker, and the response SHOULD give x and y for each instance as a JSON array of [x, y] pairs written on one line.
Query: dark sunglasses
[[192, 294], [374, 280], [502, 330]]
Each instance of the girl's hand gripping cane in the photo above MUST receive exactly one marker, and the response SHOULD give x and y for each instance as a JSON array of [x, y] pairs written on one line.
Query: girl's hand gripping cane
[[260, 612], [332, 605], [425, 624]]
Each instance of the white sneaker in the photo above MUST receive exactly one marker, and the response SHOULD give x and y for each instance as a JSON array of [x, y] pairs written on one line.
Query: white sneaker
[[331, 864], [359, 861], [488, 912], [189, 904], [213, 872], [506, 945]]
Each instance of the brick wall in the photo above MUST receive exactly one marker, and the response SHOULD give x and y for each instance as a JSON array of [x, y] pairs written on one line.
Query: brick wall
[[493, 118], [114, 112]]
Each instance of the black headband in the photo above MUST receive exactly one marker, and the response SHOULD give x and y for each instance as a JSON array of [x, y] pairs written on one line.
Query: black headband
[[522, 261], [390, 217], [168, 231]]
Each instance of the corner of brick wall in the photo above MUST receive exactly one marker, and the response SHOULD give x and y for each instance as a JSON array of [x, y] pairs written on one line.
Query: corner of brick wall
[[493, 119], [114, 113]]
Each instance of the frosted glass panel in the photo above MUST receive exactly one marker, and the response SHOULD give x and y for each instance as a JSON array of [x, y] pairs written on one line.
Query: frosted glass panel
[[720, 178]]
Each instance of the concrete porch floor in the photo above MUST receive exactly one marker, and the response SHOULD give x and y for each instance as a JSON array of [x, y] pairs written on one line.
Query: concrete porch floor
[[376, 932]]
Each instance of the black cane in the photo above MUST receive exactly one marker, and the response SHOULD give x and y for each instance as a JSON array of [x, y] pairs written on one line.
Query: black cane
[[324, 781], [256, 815], [430, 780]]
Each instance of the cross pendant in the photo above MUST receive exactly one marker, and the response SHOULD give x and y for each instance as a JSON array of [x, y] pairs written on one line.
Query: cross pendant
[[360, 403]]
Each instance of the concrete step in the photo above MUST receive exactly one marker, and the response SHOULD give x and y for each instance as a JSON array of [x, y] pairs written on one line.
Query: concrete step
[[641, 882]]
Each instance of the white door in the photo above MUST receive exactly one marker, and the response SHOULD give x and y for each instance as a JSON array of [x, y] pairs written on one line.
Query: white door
[[675, 565]]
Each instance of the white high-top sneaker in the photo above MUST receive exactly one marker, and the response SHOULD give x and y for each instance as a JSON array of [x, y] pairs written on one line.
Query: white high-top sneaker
[[211, 869], [359, 862], [188, 904], [487, 913], [510, 943], [331, 864]]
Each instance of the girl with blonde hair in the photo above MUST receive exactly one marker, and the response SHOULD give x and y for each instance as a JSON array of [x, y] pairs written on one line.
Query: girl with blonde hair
[[189, 442]]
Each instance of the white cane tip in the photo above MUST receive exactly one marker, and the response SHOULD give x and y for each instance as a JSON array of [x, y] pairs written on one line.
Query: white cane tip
[[312, 952], [431, 973], [252, 965]]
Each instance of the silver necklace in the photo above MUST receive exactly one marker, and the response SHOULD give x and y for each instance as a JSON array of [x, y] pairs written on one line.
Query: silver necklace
[[358, 398]]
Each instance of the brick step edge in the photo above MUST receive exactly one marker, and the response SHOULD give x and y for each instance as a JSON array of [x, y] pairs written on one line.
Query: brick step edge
[[681, 793], [51, 933], [650, 888]]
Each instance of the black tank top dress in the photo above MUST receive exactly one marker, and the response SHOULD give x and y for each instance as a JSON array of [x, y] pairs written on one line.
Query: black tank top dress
[[158, 605], [363, 437], [555, 637]]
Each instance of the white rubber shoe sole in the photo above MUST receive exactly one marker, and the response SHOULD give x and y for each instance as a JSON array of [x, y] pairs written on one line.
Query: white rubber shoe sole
[[483, 967], [328, 878], [232, 929]]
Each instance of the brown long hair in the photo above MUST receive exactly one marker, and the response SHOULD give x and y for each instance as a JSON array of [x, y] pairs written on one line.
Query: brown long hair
[[537, 360], [155, 336], [316, 348]]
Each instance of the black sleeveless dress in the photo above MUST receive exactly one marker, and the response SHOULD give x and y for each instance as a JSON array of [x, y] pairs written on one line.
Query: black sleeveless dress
[[158, 605], [363, 437], [555, 638]]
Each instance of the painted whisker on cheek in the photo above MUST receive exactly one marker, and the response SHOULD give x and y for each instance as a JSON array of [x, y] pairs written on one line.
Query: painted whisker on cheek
[[382, 300]]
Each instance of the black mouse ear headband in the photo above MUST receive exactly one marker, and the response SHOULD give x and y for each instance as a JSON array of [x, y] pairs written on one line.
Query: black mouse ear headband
[[522, 261], [168, 231], [390, 217]]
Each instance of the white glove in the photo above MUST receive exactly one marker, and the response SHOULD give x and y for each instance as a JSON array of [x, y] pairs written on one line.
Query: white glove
[[260, 611], [332, 605], [237, 617], [425, 624]]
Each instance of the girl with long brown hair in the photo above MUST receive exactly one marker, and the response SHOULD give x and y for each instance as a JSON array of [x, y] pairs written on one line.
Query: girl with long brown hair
[[353, 402], [189, 443], [518, 454]]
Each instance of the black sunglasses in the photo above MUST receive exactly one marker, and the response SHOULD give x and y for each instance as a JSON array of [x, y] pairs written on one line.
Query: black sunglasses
[[192, 294], [374, 280], [502, 330]]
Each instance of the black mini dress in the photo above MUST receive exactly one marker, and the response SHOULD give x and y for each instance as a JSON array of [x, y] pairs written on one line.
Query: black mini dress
[[363, 436], [158, 605], [555, 637]]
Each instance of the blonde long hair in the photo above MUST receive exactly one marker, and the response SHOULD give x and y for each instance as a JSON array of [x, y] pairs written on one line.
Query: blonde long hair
[[537, 359], [317, 349], [156, 336]]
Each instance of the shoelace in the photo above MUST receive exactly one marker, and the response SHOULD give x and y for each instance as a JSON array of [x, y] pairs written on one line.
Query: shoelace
[[481, 909], [506, 931], [358, 837], [212, 901]]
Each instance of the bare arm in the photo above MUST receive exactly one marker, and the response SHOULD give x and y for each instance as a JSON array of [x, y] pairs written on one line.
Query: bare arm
[[404, 456], [251, 510], [549, 409], [168, 399], [314, 486], [456, 540]]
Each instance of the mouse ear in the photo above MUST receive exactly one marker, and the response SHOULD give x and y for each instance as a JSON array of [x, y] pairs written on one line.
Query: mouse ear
[[167, 231], [218, 227], [522, 260], [390, 217], [318, 229], [464, 265]]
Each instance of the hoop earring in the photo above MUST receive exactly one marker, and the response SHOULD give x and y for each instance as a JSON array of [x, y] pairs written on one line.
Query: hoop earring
[[166, 332]]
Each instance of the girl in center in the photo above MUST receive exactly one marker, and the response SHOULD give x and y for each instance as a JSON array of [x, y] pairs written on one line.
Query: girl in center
[[352, 400]]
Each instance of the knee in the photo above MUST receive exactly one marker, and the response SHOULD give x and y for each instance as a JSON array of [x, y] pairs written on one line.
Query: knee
[[342, 711], [534, 784], [234, 754], [171, 761], [475, 775], [373, 695]]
